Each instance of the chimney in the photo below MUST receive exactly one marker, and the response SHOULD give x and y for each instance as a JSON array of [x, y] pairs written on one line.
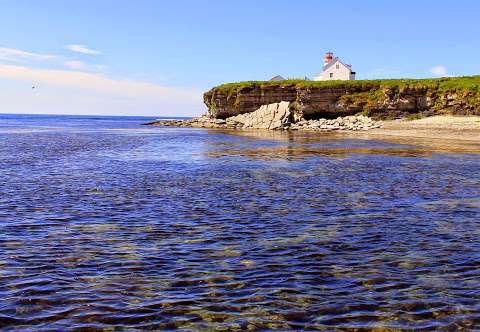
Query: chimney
[[328, 58]]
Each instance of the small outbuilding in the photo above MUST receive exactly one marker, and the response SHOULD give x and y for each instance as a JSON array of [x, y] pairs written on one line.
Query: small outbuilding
[[277, 78]]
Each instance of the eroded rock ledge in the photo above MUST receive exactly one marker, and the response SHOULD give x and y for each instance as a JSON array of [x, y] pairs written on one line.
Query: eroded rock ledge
[[276, 116], [378, 99], [333, 105]]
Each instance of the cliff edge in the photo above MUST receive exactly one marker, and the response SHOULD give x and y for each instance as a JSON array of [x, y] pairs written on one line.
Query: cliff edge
[[379, 99]]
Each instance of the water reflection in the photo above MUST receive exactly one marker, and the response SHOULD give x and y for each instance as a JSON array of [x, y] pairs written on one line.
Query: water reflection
[[363, 141]]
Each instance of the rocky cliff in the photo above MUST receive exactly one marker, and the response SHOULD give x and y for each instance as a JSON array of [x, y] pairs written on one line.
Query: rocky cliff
[[379, 99]]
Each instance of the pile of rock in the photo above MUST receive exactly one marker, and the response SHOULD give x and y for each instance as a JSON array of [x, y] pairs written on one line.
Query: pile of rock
[[200, 122], [277, 116], [355, 122]]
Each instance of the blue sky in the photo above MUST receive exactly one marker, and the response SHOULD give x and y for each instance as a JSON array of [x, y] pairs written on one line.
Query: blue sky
[[152, 57]]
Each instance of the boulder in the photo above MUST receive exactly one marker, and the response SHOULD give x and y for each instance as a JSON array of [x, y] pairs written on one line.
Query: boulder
[[271, 116]]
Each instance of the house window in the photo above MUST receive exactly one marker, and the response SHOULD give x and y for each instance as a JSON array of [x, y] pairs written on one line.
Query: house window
[[331, 75], [337, 66]]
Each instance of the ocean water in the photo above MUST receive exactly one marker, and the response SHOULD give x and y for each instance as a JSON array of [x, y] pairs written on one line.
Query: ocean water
[[107, 224]]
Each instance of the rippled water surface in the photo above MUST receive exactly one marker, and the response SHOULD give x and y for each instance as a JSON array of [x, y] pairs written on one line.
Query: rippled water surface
[[107, 224]]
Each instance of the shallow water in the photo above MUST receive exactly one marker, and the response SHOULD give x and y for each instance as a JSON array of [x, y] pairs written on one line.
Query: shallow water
[[105, 223]]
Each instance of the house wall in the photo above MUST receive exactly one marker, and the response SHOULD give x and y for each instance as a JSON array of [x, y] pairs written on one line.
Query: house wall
[[342, 73]]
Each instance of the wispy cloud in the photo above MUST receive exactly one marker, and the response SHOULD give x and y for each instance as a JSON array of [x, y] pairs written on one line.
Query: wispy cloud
[[82, 66], [439, 71], [107, 95], [78, 87], [93, 81], [16, 55], [82, 49]]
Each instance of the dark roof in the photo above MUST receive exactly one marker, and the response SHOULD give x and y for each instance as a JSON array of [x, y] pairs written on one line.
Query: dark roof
[[277, 78], [331, 63]]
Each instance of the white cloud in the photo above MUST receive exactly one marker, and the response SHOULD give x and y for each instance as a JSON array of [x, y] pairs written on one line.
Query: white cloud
[[16, 55], [90, 81], [439, 71], [82, 49], [82, 66], [76, 92], [24, 57]]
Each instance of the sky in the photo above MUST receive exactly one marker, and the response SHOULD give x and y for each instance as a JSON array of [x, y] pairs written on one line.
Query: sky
[[156, 58]]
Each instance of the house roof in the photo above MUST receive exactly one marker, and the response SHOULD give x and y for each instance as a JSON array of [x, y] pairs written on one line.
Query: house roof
[[335, 60], [277, 78]]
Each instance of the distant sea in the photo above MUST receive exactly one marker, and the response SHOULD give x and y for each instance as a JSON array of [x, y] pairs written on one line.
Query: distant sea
[[108, 224], [74, 121]]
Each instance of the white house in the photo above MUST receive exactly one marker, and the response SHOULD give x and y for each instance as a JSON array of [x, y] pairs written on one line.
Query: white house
[[335, 69]]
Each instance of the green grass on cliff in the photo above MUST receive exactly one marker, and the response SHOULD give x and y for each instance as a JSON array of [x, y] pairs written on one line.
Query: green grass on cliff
[[471, 83]]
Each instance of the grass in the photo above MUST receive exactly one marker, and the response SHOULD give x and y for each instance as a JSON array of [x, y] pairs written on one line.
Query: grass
[[416, 116], [465, 83]]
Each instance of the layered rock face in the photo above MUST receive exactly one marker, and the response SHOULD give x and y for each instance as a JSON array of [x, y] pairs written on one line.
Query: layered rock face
[[311, 102], [272, 116], [223, 104]]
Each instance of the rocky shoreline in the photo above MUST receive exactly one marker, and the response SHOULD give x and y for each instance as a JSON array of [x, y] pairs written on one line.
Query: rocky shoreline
[[276, 116]]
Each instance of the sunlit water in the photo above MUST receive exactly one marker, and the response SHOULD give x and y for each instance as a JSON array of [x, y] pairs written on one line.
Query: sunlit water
[[107, 224]]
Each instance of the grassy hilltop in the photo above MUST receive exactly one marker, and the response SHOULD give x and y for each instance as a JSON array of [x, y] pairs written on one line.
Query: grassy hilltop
[[470, 83]]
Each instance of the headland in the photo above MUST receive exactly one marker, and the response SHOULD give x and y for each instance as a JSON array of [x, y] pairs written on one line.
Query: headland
[[448, 107]]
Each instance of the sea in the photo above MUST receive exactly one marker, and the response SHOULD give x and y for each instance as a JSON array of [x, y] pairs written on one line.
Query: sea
[[107, 224]]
